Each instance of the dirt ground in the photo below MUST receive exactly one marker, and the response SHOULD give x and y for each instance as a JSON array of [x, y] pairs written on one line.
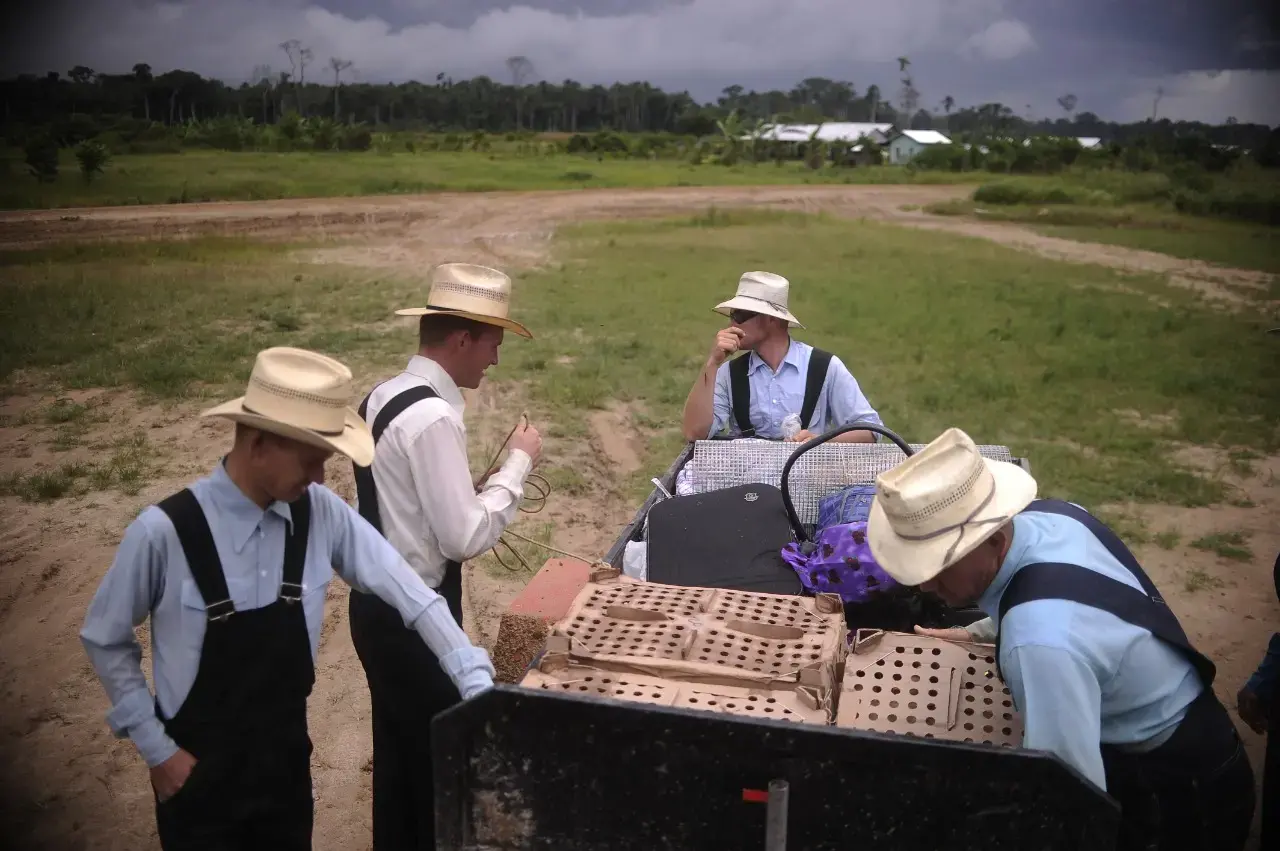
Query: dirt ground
[[69, 785]]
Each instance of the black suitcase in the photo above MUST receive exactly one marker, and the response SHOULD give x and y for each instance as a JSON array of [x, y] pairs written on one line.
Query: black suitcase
[[731, 538]]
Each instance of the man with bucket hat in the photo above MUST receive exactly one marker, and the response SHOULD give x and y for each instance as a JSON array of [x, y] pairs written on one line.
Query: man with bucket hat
[[1097, 663], [233, 573], [420, 494], [776, 379]]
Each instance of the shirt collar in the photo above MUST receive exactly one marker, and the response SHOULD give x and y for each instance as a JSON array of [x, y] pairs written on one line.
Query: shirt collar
[[792, 357], [440, 381], [990, 600], [237, 514]]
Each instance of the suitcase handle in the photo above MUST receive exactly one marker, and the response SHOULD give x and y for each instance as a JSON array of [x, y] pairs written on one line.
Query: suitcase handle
[[796, 526]]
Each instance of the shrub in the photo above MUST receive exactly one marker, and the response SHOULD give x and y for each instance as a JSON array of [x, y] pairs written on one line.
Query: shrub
[[1248, 205], [609, 142], [357, 137], [93, 158], [579, 143], [42, 158]]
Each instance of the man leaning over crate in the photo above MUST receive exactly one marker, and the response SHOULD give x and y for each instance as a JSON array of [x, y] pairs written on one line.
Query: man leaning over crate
[[419, 493], [1097, 663], [233, 572], [776, 377]]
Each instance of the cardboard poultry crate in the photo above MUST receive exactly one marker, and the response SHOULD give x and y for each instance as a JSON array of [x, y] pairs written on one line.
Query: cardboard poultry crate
[[901, 683], [735, 652]]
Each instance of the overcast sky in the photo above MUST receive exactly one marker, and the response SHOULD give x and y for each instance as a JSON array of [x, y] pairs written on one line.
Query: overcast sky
[[1213, 59]]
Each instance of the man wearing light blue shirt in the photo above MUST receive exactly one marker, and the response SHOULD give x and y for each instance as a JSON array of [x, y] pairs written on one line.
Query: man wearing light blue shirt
[[233, 573], [776, 376], [1097, 664]]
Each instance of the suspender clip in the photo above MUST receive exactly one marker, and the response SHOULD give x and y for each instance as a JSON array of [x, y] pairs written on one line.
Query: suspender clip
[[220, 610], [290, 592]]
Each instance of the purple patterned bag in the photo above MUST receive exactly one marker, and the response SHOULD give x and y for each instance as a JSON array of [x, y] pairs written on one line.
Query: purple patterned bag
[[840, 563]]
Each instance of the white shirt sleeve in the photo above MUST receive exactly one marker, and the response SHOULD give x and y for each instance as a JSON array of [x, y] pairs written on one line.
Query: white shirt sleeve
[[465, 523], [368, 563]]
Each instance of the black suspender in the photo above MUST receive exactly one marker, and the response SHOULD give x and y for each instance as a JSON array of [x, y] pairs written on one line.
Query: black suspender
[[366, 488], [740, 389], [1057, 581], [196, 538], [819, 361]]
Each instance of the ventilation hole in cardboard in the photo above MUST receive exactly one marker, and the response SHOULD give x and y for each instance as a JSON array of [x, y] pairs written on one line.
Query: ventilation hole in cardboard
[[893, 704], [1006, 716], [933, 680], [929, 720], [988, 714], [933, 693], [919, 651], [988, 729], [987, 689], [711, 703], [880, 662], [892, 719], [928, 735], [860, 673], [879, 676], [968, 712], [937, 651], [1007, 704], [967, 739], [1008, 731], [912, 705], [931, 706], [969, 698], [972, 671], [968, 727], [876, 689], [871, 716], [935, 666], [911, 719], [897, 663]]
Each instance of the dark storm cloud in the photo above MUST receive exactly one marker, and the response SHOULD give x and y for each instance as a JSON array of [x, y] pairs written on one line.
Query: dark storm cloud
[[1113, 54]]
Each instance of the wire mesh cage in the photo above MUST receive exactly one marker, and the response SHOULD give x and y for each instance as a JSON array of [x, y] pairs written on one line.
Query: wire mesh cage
[[719, 464]]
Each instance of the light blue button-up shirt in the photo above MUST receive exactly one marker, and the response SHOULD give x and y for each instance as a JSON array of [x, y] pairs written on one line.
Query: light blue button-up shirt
[[776, 394], [150, 576], [1082, 677]]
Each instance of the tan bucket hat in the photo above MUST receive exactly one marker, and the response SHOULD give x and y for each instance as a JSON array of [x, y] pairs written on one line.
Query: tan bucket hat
[[473, 292], [935, 507], [761, 292], [305, 396]]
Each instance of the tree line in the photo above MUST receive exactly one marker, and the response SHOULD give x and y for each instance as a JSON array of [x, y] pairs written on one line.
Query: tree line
[[313, 89]]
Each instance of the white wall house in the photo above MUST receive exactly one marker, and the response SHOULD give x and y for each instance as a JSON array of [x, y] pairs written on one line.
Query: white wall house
[[830, 131], [906, 145]]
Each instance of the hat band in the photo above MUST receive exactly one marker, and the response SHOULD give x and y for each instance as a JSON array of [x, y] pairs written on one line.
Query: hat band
[[961, 526], [497, 296], [313, 429], [781, 308]]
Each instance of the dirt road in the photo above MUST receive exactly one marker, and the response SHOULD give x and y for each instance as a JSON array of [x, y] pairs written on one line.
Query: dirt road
[[69, 785]]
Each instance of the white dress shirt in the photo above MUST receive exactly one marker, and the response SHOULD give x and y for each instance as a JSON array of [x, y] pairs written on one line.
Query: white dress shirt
[[430, 510]]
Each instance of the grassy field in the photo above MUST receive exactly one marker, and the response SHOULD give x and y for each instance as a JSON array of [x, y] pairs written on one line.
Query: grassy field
[[1077, 367], [221, 176], [1131, 210]]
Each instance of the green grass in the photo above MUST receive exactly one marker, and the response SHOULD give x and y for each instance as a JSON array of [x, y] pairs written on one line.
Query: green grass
[[126, 468], [940, 330], [223, 176], [182, 319], [1228, 545], [1144, 226]]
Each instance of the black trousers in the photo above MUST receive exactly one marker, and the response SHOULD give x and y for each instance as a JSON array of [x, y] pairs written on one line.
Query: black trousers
[[1193, 793], [1271, 778], [233, 801], [407, 688]]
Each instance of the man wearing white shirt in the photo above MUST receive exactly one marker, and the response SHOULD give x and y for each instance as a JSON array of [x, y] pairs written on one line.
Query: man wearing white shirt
[[419, 493]]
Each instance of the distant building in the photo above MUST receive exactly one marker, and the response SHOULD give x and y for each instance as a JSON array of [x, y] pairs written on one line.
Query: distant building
[[830, 131], [906, 145]]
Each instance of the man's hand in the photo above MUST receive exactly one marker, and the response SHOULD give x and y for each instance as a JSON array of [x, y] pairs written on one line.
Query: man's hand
[[956, 633], [1251, 710], [801, 436], [527, 440], [170, 776], [728, 341]]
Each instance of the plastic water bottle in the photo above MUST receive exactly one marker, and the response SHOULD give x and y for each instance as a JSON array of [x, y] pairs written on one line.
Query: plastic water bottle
[[790, 426]]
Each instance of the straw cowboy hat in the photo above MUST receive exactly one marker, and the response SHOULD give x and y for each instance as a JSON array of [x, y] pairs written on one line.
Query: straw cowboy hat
[[304, 396], [761, 292], [473, 292], [941, 503]]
